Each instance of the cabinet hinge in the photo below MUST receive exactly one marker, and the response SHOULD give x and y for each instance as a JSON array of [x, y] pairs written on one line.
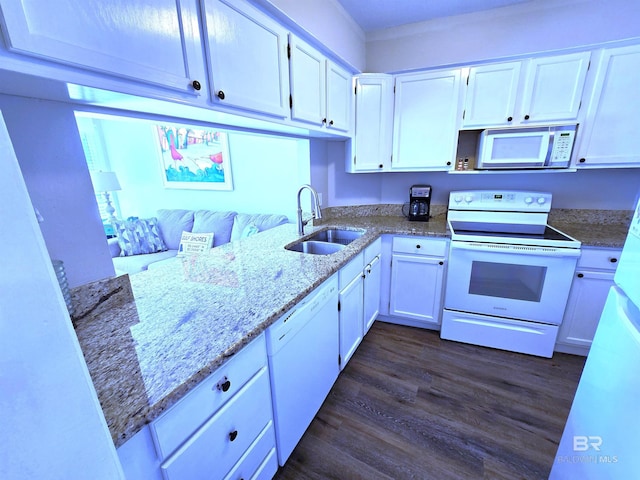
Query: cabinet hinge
[[355, 90], [338, 305], [394, 89], [354, 159], [463, 113], [290, 101], [288, 50], [339, 359], [580, 105], [468, 79], [589, 65]]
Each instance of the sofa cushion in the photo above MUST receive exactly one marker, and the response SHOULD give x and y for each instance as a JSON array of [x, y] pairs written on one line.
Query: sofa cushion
[[172, 223], [138, 236], [220, 223], [139, 263], [260, 220]]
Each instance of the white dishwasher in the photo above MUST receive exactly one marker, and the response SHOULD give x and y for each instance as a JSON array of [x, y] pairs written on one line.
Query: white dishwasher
[[303, 349]]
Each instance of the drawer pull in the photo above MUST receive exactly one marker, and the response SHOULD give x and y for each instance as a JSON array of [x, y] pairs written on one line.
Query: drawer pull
[[580, 275], [418, 246], [224, 384], [613, 259], [233, 435]]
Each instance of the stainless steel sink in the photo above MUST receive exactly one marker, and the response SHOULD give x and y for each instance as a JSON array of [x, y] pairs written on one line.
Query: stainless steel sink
[[315, 247], [337, 236]]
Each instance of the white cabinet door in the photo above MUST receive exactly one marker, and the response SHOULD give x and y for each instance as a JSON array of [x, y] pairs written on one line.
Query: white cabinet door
[[425, 129], [307, 82], [339, 98], [372, 282], [553, 88], [536, 91], [586, 300], [610, 131], [320, 90], [247, 53], [491, 94], [373, 124], [416, 287], [155, 42], [351, 314]]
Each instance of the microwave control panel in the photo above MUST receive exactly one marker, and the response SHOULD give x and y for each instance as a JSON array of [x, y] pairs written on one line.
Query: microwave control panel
[[562, 147]]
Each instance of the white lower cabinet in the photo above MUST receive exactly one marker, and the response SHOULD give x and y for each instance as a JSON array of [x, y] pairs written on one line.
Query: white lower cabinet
[[222, 427], [416, 284], [350, 308], [359, 299], [372, 283], [589, 290]]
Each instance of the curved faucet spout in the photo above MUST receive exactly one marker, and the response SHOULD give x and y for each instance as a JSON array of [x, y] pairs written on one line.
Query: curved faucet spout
[[317, 212]]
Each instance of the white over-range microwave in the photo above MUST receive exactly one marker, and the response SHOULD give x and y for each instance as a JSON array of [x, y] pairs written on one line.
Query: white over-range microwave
[[528, 147]]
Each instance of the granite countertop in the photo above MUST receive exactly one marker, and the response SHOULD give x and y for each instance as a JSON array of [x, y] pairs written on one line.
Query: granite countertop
[[151, 337]]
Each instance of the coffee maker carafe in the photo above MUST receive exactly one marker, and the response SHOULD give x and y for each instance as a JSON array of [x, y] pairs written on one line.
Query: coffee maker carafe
[[419, 203]]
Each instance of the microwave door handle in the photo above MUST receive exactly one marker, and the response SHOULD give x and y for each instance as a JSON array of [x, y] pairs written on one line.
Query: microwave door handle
[[552, 138]]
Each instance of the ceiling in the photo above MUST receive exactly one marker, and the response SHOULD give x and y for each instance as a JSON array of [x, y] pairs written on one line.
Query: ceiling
[[378, 14]]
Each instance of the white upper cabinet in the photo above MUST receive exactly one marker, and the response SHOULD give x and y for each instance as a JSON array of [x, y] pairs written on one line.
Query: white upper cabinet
[[553, 88], [339, 97], [610, 135], [320, 90], [531, 92], [425, 128], [491, 94], [307, 78], [247, 57], [153, 42], [371, 145]]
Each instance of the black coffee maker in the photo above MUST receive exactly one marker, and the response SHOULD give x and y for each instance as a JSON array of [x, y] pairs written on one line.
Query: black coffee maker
[[419, 203]]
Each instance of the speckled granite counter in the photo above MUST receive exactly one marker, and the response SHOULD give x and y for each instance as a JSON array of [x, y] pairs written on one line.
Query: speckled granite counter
[[149, 338]]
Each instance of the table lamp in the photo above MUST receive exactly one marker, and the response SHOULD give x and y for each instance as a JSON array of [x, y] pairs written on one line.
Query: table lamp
[[105, 182]]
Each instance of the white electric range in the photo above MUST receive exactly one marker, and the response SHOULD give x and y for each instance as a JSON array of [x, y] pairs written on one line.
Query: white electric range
[[509, 272]]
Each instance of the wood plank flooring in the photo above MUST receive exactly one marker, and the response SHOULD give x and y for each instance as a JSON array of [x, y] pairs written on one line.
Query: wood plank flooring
[[412, 406]]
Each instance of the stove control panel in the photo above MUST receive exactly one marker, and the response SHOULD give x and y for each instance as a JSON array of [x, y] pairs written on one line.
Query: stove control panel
[[500, 201]]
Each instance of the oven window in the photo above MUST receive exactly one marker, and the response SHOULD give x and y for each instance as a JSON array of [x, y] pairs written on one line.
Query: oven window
[[505, 280]]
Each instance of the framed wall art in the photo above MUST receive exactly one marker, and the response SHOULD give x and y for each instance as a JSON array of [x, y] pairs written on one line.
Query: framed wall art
[[194, 158]]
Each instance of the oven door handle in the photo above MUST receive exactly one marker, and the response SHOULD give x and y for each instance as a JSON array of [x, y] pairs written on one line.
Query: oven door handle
[[516, 249]]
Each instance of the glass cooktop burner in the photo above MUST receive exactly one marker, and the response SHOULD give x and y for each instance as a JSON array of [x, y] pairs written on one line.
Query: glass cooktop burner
[[518, 233]]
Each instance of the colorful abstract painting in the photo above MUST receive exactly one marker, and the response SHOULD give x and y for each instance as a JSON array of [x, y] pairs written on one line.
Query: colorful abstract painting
[[194, 158]]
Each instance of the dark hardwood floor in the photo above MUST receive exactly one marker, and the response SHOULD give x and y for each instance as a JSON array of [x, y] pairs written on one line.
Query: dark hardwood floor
[[410, 405]]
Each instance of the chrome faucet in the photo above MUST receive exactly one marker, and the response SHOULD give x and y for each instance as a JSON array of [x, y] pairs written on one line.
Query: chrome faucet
[[317, 212]]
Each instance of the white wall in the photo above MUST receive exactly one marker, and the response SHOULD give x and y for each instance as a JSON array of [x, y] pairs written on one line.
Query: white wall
[[266, 171], [607, 189], [46, 142], [524, 28], [328, 22], [52, 423]]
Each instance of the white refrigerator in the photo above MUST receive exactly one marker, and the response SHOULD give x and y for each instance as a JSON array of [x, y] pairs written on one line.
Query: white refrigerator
[[601, 439]]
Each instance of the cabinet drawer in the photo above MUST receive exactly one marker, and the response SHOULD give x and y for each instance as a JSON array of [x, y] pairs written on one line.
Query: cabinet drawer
[[372, 250], [350, 270], [435, 247], [260, 460], [214, 449], [180, 421], [600, 258]]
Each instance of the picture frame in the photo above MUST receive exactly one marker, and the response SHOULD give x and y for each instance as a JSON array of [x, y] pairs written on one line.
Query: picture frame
[[194, 158]]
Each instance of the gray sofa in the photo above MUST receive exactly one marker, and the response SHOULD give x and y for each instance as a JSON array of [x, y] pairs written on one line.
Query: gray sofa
[[226, 227]]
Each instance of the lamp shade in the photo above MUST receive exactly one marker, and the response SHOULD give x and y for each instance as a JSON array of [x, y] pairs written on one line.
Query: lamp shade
[[105, 181]]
